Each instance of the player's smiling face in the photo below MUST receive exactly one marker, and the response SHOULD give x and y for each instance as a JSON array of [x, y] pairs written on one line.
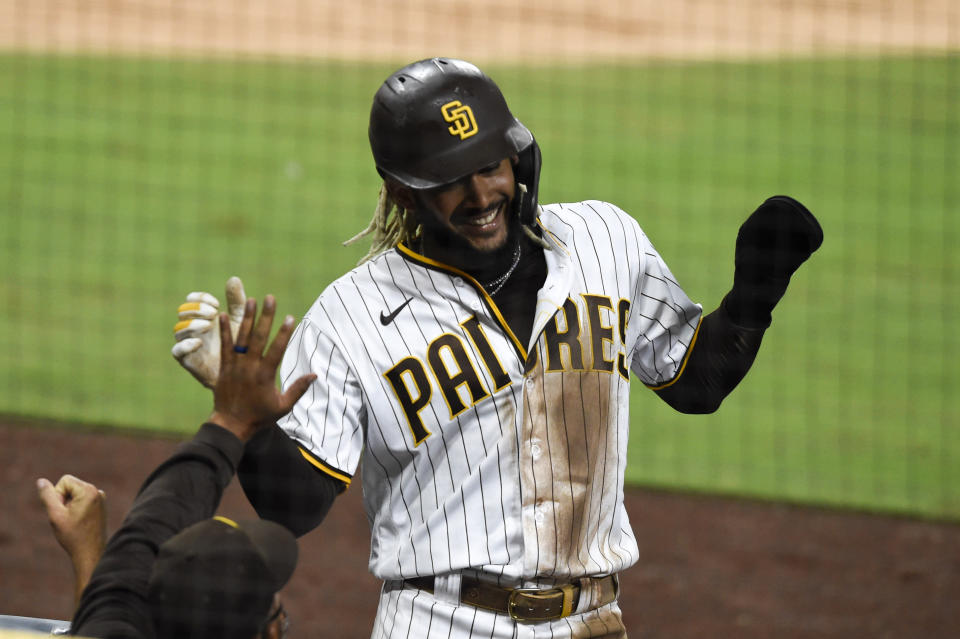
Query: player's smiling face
[[475, 209]]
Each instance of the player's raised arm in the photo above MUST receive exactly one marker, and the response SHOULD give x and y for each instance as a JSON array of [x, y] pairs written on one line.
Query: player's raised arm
[[197, 336], [771, 245]]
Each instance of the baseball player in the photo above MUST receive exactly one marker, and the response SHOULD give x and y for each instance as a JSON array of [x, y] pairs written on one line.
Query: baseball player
[[478, 363]]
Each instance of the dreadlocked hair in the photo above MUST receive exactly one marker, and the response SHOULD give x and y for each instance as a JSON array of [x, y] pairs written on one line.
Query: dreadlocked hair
[[390, 225]]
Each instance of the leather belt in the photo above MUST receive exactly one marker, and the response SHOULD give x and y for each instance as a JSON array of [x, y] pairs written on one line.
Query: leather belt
[[527, 604]]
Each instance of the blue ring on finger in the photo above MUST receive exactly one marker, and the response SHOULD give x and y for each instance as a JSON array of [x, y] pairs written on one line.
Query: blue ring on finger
[[240, 349]]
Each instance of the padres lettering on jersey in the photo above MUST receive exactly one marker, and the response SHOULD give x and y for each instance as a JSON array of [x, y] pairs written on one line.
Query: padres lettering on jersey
[[479, 452], [453, 369]]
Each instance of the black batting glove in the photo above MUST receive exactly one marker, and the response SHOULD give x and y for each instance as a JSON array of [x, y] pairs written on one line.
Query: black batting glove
[[772, 244]]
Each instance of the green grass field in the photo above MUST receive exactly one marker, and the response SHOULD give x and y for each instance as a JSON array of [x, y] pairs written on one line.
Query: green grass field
[[128, 182]]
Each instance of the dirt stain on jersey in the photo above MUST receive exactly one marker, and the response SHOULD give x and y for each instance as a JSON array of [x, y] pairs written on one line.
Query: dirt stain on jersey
[[569, 469]]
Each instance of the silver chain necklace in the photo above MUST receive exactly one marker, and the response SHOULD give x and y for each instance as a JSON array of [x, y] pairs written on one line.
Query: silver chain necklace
[[494, 287]]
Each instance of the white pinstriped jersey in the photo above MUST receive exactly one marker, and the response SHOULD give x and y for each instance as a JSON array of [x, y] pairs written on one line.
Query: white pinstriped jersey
[[481, 453]]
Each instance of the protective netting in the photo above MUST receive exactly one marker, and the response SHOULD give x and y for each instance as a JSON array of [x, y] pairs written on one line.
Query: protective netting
[[148, 149]]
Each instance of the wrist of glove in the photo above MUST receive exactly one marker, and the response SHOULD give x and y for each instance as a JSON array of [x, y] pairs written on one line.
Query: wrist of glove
[[197, 333], [771, 245]]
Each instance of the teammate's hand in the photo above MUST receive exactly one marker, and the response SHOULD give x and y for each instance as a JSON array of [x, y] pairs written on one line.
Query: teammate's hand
[[246, 397], [77, 511], [771, 245], [197, 335]]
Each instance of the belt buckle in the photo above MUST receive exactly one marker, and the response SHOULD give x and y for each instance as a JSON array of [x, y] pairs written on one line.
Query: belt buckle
[[552, 603]]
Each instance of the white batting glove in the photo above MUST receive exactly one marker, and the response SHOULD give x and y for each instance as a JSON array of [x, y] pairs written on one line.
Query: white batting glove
[[197, 335]]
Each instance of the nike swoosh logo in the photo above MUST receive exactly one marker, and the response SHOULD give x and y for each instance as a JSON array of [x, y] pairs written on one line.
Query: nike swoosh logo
[[386, 319]]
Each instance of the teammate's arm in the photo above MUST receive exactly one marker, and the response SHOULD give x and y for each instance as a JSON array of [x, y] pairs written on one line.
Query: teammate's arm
[[771, 245], [78, 515], [188, 486], [280, 484]]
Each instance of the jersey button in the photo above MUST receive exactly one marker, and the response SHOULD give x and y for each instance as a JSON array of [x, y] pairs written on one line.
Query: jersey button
[[535, 451], [458, 281]]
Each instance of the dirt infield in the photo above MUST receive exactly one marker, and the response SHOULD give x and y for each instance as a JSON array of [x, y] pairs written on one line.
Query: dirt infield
[[531, 31], [709, 567]]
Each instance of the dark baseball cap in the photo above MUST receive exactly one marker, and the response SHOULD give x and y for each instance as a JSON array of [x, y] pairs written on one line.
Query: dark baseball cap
[[218, 577]]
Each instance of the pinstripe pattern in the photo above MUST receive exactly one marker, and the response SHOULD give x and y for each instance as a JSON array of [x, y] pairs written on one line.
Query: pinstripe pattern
[[481, 453]]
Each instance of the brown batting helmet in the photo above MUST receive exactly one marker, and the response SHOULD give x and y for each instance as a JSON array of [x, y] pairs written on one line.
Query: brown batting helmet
[[438, 120]]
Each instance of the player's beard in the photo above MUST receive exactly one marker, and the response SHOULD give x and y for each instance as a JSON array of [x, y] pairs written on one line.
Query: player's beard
[[481, 265]]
